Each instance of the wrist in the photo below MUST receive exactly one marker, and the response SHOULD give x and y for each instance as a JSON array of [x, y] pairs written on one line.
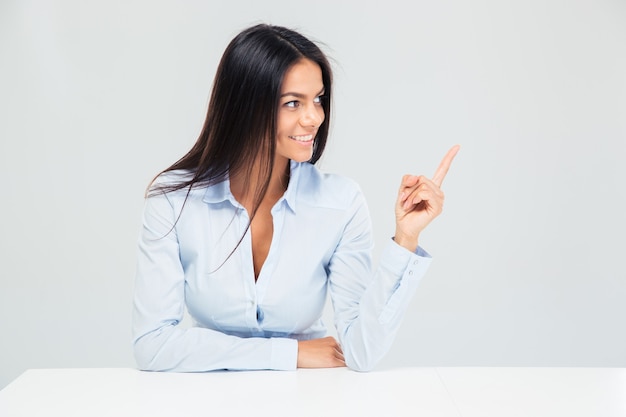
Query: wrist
[[408, 242]]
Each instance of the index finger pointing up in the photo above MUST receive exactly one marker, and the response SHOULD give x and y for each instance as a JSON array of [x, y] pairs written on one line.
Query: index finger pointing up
[[442, 170]]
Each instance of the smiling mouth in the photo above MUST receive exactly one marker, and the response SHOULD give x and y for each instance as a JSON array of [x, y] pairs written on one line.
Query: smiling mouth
[[303, 138]]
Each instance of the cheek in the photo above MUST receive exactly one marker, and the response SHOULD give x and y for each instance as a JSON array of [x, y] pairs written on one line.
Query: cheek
[[322, 114], [285, 123]]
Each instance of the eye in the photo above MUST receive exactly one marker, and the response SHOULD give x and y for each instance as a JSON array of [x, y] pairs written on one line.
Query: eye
[[292, 104], [319, 99]]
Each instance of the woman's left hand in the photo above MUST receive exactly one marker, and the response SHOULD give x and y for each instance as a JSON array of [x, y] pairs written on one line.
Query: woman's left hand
[[420, 200]]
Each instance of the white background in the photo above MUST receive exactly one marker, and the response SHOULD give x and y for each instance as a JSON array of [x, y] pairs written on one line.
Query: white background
[[97, 97]]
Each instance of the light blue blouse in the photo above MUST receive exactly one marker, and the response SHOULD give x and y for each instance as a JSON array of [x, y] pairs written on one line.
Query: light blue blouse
[[322, 242]]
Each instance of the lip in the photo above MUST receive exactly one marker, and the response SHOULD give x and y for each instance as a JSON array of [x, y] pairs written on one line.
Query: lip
[[303, 139]]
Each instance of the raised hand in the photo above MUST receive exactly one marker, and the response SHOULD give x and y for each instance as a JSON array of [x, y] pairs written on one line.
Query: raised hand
[[420, 200]]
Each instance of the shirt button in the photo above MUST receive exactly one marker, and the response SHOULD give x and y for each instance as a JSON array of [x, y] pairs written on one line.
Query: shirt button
[[410, 272], [415, 262]]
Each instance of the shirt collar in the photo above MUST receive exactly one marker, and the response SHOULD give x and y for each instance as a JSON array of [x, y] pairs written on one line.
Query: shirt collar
[[220, 192], [291, 193]]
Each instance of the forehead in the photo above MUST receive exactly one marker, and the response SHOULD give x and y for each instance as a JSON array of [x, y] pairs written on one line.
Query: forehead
[[303, 76]]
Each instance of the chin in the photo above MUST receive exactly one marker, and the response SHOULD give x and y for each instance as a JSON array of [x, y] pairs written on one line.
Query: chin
[[302, 158]]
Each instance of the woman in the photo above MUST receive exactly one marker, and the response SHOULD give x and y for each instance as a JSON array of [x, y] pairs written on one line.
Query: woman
[[247, 235]]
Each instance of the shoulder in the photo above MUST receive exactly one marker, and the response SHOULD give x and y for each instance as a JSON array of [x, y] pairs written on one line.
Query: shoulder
[[326, 189], [168, 178], [166, 182]]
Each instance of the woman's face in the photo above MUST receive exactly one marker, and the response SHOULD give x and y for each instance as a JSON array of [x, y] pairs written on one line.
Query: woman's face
[[300, 111]]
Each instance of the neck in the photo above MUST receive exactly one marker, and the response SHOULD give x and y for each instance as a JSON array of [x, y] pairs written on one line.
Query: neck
[[244, 184]]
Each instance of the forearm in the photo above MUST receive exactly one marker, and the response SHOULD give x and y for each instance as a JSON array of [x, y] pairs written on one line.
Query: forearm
[[199, 349], [377, 316]]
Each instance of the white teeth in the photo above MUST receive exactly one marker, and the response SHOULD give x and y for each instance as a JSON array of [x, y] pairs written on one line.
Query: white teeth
[[302, 138]]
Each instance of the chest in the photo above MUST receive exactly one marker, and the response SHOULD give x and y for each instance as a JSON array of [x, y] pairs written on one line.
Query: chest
[[221, 259], [261, 234]]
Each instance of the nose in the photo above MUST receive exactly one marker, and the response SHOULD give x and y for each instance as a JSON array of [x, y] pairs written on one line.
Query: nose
[[313, 116]]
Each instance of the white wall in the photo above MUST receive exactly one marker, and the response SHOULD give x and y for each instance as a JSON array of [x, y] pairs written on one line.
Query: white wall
[[96, 97]]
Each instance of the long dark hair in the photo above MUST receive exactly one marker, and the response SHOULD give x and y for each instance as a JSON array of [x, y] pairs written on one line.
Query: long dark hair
[[240, 126]]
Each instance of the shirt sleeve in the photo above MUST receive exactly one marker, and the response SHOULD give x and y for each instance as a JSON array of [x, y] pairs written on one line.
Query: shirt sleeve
[[159, 342], [369, 304]]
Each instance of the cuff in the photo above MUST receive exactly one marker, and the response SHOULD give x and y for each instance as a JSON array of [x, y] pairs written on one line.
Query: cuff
[[284, 354], [396, 259]]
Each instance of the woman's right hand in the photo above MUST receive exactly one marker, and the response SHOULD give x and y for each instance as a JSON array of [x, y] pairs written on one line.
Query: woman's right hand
[[320, 353]]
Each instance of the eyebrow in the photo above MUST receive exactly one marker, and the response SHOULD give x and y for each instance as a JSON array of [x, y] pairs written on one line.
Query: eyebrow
[[299, 95]]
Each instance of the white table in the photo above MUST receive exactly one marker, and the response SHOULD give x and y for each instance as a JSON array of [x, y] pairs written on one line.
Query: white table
[[432, 392]]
